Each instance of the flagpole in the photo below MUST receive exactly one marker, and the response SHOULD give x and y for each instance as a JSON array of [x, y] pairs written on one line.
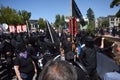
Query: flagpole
[[71, 17], [71, 7], [50, 32]]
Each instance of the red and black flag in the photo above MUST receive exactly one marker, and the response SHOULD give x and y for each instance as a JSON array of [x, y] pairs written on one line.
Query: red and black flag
[[76, 13]]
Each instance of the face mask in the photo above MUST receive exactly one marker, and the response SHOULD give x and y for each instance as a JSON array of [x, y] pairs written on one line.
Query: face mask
[[24, 54]]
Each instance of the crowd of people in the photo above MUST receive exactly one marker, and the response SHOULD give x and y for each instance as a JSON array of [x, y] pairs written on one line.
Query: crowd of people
[[65, 59], [113, 31]]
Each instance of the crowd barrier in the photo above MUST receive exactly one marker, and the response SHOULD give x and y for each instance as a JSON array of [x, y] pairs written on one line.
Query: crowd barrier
[[105, 65]]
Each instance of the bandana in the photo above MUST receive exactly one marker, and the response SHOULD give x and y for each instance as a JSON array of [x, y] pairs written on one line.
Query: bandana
[[23, 54]]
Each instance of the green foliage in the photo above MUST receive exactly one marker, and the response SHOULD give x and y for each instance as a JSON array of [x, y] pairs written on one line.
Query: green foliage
[[118, 13], [7, 15], [42, 23], [25, 16], [90, 15], [12, 17], [57, 21], [115, 3], [119, 25], [91, 18], [60, 20], [90, 28], [105, 23]]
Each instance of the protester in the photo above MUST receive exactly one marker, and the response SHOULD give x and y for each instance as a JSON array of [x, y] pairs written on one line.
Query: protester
[[89, 59], [24, 65], [58, 70]]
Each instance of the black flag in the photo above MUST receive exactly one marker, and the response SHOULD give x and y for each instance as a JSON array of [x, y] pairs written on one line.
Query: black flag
[[51, 34], [76, 13]]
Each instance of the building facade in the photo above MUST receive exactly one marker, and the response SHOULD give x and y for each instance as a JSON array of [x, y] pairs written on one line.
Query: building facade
[[114, 21]]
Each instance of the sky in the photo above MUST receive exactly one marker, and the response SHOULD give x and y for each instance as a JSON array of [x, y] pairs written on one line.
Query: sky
[[48, 9]]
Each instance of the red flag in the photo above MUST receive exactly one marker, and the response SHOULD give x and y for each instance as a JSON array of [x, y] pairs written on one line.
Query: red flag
[[74, 26], [70, 26]]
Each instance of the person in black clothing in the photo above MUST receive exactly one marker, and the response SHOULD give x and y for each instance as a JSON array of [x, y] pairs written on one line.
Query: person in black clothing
[[81, 71], [24, 65], [88, 54], [88, 58], [68, 45]]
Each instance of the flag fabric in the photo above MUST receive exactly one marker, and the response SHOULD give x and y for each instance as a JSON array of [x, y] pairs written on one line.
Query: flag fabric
[[51, 34], [72, 26], [24, 28], [76, 13], [19, 28], [11, 28]]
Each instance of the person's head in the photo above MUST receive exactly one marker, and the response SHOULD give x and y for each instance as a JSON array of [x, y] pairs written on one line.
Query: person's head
[[58, 70], [68, 39], [21, 47], [89, 41], [62, 51], [70, 56]]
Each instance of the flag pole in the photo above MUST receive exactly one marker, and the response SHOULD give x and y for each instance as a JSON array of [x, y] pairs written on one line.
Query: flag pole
[[50, 32], [71, 7], [71, 17]]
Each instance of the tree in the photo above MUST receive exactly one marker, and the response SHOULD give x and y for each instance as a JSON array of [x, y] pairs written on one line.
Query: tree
[[90, 15], [91, 18], [25, 15], [42, 23], [57, 21], [118, 13], [62, 21], [115, 3], [7, 15], [11, 16], [105, 23]]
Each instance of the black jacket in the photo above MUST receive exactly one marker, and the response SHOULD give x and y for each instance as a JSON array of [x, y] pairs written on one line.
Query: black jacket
[[88, 59]]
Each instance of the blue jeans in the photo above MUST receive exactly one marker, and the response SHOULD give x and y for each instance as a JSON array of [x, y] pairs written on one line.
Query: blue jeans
[[28, 76]]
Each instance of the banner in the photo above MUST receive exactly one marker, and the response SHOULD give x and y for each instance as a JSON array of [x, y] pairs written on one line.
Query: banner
[[24, 28], [11, 28], [19, 28]]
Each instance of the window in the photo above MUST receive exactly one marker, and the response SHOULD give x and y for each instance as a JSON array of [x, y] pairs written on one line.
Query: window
[[112, 19]]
